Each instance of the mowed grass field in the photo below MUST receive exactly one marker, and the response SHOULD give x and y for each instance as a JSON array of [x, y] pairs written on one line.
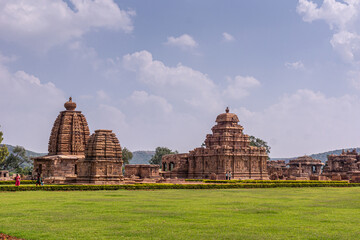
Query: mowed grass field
[[280, 213]]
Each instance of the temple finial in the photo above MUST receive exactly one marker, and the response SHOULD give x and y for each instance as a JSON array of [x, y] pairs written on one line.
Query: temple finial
[[227, 110], [70, 105]]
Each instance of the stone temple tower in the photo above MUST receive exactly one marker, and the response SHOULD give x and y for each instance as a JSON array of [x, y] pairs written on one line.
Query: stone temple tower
[[103, 159], [227, 151], [67, 142], [70, 132]]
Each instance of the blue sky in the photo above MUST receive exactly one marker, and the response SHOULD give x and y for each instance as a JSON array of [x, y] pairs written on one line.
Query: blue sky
[[159, 72]]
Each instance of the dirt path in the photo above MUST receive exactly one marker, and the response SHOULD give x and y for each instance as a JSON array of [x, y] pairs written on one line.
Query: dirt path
[[7, 237]]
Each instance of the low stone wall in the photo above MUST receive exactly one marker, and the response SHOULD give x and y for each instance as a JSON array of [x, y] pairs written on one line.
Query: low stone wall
[[142, 170]]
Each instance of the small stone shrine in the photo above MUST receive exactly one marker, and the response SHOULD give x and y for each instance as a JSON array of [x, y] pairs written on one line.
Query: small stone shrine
[[227, 151], [68, 138], [103, 159], [4, 175], [304, 168]]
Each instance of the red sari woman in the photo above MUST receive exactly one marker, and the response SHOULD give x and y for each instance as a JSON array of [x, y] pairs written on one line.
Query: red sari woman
[[17, 180]]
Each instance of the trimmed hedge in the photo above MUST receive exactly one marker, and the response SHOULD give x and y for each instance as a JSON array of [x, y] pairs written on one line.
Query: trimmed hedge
[[12, 182], [270, 181], [153, 186], [261, 181]]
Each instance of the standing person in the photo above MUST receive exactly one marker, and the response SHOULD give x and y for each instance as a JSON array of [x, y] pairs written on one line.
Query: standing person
[[17, 180], [229, 175], [38, 179]]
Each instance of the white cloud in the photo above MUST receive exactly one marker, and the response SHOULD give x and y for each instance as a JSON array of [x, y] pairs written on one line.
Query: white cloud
[[347, 44], [294, 65], [305, 122], [43, 24], [227, 37], [343, 19], [338, 15], [28, 108], [150, 102], [185, 41], [239, 87], [104, 116], [102, 95], [354, 77], [180, 85], [180, 104]]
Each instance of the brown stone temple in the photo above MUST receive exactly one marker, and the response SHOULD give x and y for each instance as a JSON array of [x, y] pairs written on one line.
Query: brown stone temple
[[72, 152], [227, 150], [68, 138]]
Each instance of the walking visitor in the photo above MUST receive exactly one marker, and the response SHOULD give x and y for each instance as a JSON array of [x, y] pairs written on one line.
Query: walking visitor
[[38, 180], [17, 180]]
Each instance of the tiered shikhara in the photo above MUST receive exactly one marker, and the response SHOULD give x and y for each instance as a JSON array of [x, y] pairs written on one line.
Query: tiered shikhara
[[70, 132], [103, 159], [227, 151]]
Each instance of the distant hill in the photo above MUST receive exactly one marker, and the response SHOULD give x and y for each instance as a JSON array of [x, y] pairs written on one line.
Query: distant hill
[[320, 156], [28, 152], [141, 157]]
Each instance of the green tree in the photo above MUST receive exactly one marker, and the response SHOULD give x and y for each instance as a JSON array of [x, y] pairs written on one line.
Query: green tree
[[126, 155], [159, 152], [257, 142], [16, 160], [4, 152]]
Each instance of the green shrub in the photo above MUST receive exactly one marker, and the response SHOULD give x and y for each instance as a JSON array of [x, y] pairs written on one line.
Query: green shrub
[[270, 181], [12, 182], [153, 186]]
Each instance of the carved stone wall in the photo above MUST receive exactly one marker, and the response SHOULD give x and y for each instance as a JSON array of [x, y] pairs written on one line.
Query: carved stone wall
[[227, 150], [57, 168]]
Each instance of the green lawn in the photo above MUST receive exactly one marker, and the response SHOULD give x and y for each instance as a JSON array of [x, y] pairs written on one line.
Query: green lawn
[[280, 213]]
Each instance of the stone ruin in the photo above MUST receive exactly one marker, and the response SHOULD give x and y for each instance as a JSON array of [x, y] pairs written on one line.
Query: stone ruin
[[301, 168], [227, 150], [277, 170], [103, 160], [345, 166], [142, 171]]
